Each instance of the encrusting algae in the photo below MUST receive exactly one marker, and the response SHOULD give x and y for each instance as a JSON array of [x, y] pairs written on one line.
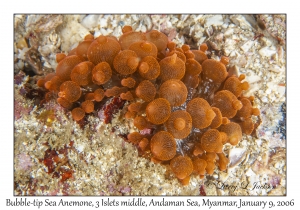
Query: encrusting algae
[[188, 103]]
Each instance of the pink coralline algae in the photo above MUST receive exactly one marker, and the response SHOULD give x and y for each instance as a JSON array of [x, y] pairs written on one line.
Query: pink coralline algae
[[24, 162]]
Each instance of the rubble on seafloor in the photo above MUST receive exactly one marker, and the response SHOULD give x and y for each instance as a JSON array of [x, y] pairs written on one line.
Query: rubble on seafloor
[[54, 155]]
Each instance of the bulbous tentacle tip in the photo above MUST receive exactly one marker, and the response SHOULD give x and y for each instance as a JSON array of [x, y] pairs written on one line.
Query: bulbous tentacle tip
[[224, 137], [41, 83], [128, 82], [102, 39], [155, 160], [173, 58], [126, 29], [89, 37], [99, 76], [179, 124], [146, 46], [171, 46], [133, 62], [185, 48], [78, 113], [60, 57], [61, 94], [251, 98], [234, 140], [48, 85], [185, 181], [225, 120], [144, 67], [203, 47], [242, 77], [143, 144], [245, 86], [189, 55], [127, 96], [135, 137], [237, 104], [210, 115], [130, 115], [224, 60], [255, 111], [198, 149]]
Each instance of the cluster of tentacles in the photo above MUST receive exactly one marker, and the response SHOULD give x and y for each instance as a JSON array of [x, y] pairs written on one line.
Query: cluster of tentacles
[[185, 105]]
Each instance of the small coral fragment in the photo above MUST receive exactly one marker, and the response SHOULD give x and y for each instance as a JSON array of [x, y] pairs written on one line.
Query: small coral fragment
[[163, 146], [114, 105], [22, 43]]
